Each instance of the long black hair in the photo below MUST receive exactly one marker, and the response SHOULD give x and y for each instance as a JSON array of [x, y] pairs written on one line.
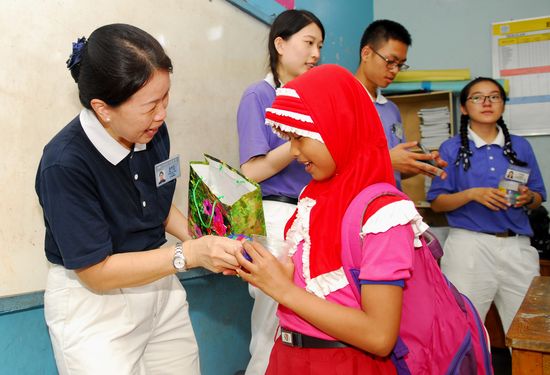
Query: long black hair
[[114, 63], [285, 25], [464, 152]]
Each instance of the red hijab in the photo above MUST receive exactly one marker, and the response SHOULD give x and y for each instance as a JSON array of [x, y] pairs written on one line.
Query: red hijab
[[329, 104]]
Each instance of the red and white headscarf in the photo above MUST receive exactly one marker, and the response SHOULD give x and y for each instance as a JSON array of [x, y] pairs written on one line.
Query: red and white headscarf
[[330, 105]]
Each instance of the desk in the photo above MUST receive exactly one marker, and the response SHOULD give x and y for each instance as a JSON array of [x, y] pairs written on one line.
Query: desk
[[529, 334], [493, 322], [545, 267]]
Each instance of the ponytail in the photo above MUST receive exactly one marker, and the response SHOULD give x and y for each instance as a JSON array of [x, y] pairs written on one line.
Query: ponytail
[[464, 151], [508, 151]]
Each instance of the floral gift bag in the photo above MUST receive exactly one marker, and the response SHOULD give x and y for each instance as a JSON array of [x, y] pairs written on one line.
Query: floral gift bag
[[222, 201]]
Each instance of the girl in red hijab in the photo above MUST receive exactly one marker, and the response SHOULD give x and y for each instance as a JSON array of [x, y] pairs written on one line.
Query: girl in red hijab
[[335, 132]]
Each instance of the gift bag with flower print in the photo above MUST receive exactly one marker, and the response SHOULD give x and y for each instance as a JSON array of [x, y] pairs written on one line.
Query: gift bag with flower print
[[222, 201]]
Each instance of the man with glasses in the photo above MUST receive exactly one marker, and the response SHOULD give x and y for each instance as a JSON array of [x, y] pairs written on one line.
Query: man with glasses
[[383, 53]]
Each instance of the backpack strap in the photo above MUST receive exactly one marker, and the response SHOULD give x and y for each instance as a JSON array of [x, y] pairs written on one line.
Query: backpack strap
[[351, 227], [352, 224], [352, 249]]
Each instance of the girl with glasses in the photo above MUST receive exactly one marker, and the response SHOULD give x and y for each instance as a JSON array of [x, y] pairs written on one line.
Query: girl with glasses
[[488, 255]]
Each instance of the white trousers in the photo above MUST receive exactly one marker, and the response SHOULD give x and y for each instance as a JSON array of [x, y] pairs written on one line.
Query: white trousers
[[487, 268], [140, 330], [264, 321]]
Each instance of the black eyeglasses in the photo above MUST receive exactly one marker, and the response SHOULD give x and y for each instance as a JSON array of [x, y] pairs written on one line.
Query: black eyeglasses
[[480, 99], [391, 64]]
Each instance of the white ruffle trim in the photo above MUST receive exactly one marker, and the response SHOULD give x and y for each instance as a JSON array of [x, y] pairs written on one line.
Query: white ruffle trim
[[294, 115], [327, 283], [285, 91], [321, 285], [397, 213], [278, 128], [299, 231]]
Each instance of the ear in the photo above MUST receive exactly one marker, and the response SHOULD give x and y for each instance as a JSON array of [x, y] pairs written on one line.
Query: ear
[[279, 45], [101, 109], [463, 110], [365, 52]]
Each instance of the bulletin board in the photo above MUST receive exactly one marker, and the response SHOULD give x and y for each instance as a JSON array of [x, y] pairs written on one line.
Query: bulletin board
[[521, 54]]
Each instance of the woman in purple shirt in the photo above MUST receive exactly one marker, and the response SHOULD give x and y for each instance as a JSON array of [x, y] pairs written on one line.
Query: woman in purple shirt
[[294, 44], [488, 255]]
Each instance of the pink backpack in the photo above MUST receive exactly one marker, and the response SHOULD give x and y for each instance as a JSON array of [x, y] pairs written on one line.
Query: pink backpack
[[440, 332]]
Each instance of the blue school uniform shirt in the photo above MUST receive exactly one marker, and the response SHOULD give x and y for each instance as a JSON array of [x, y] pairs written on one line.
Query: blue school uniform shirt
[[99, 198], [488, 166]]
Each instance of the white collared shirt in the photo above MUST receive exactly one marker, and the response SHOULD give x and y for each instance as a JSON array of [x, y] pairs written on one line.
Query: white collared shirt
[[111, 150], [271, 80], [380, 99], [499, 139]]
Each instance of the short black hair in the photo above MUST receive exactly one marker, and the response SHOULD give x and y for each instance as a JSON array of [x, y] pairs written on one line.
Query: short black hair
[[117, 60], [380, 31]]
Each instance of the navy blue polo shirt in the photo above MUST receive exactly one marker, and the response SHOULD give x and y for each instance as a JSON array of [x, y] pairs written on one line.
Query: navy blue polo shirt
[[488, 166], [98, 197]]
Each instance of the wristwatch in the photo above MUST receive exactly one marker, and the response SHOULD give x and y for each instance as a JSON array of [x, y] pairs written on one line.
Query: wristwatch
[[179, 260]]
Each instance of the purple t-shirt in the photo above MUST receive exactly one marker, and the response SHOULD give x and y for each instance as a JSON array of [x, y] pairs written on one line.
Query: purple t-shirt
[[256, 138], [393, 127]]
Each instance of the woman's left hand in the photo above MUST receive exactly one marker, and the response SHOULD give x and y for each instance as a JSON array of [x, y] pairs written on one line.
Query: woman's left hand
[[525, 197], [265, 271]]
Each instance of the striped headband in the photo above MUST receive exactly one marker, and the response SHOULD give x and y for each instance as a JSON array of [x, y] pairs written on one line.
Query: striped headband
[[289, 115]]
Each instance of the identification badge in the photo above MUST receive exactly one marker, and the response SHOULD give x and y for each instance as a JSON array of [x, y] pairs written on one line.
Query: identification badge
[[518, 174], [397, 129], [167, 170]]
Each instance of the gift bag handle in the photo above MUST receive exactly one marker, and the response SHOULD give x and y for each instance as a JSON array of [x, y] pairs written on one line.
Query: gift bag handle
[[211, 216]]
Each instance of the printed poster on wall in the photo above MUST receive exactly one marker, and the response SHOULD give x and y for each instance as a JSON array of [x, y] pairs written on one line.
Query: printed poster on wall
[[521, 54]]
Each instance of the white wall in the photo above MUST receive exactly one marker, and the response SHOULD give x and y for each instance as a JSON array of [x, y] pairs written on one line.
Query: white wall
[[455, 33], [216, 49], [451, 34]]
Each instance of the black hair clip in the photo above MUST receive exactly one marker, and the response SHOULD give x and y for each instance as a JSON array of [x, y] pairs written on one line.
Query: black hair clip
[[76, 56]]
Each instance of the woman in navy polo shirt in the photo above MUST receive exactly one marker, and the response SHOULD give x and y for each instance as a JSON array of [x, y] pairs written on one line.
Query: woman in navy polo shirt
[[488, 255], [113, 304]]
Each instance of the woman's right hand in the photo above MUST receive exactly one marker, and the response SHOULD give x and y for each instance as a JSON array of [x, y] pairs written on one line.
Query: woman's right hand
[[214, 253], [492, 198]]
